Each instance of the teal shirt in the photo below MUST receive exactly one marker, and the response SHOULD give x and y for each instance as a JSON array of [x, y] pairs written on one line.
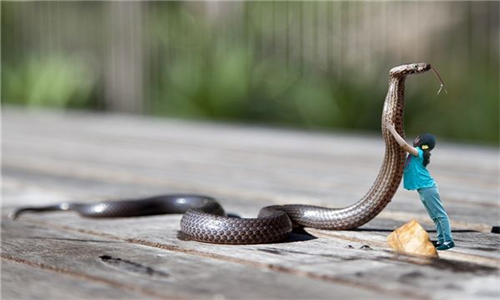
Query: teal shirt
[[416, 176]]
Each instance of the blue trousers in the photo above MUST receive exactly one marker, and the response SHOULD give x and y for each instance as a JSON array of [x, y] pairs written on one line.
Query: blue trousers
[[432, 202]]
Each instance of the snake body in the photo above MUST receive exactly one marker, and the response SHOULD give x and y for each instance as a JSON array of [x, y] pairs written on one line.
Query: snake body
[[204, 218]]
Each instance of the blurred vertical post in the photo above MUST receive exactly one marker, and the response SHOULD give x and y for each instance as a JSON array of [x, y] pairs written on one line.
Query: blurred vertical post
[[123, 72]]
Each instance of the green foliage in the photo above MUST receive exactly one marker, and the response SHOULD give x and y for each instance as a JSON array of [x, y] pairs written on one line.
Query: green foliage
[[55, 81], [239, 70], [469, 112]]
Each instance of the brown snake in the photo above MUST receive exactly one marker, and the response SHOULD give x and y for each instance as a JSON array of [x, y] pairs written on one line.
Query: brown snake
[[205, 220]]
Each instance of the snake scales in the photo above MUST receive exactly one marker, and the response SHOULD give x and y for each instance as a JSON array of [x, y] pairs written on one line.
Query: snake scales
[[204, 218]]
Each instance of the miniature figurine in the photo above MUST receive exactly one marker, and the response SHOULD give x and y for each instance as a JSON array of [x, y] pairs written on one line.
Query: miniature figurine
[[417, 177]]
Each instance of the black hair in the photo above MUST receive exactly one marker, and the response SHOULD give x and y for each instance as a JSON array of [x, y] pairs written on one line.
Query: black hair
[[426, 142]]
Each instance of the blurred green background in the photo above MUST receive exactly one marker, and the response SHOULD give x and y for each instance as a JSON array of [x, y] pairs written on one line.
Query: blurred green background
[[315, 65]]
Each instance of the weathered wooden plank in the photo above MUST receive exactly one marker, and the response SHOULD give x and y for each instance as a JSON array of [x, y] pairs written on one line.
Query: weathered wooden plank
[[162, 233], [350, 151], [284, 191], [265, 141], [331, 154], [282, 188], [87, 157], [220, 163], [252, 201], [211, 174], [328, 157], [322, 258], [154, 272], [22, 281], [472, 246], [410, 203]]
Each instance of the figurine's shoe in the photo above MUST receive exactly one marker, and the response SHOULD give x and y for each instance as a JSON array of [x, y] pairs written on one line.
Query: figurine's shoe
[[436, 243], [446, 246]]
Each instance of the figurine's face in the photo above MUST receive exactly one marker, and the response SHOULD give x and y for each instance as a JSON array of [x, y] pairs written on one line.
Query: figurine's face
[[408, 69]]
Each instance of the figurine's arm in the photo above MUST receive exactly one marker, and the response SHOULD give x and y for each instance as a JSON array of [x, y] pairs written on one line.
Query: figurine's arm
[[400, 140]]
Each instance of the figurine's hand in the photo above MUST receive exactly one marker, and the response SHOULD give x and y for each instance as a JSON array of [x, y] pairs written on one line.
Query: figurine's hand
[[389, 125]]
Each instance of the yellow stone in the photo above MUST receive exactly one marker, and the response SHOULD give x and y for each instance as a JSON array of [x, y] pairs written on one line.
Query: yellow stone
[[411, 238]]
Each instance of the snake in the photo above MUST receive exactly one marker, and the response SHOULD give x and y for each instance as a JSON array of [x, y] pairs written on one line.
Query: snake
[[205, 220]]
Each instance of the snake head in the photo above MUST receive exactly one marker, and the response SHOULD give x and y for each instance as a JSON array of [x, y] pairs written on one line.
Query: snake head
[[408, 69]]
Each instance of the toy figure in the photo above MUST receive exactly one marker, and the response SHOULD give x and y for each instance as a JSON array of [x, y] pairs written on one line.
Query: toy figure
[[417, 177]]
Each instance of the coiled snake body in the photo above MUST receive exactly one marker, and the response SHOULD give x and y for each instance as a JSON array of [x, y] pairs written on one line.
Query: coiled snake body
[[205, 220]]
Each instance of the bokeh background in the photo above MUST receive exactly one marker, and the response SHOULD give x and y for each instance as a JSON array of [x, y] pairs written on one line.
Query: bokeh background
[[315, 65]]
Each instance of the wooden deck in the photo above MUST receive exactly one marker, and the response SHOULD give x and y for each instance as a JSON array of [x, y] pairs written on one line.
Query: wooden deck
[[54, 157]]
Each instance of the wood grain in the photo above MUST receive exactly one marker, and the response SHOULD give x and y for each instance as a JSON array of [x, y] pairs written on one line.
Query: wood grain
[[149, 272], [51, 157]]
